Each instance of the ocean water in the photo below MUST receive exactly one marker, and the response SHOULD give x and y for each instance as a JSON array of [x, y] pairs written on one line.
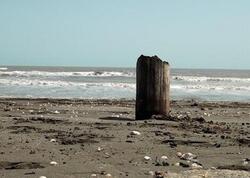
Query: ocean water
[[117, 83]]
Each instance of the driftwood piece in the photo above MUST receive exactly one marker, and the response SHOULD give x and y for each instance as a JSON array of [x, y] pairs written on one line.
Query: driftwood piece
[[152, 87]]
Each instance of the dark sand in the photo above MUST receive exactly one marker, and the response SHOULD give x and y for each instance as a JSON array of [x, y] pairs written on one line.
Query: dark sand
[[79, 127]]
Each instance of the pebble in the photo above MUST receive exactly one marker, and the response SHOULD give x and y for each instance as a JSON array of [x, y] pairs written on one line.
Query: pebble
[[151, 173], [93, 175], [100, 149], [160, 174], [135, 133], [53, 163], [52, 140], [188, 156], [177, 164], [108, 175], [42, 177], [147, 158], [179, 154], [164, 158], [196, 166], [244, 163], [57, 112]]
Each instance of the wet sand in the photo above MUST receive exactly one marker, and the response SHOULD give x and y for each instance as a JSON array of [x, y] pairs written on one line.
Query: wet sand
[[87, 137]]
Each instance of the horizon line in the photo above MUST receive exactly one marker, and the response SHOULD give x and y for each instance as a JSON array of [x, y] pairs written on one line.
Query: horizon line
[[74, 66]]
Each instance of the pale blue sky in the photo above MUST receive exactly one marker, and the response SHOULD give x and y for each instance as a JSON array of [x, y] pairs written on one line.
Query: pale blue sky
[[188, 33]]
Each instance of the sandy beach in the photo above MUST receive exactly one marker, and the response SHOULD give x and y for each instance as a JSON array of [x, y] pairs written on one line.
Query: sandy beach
[[84, 138]]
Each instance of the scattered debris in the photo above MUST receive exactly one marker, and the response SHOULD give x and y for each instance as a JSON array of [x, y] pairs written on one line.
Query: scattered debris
[[160, 174], [188, 156]]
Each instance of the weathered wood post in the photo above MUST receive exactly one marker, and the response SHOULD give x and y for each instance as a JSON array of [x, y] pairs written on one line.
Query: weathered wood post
[[152, 87]]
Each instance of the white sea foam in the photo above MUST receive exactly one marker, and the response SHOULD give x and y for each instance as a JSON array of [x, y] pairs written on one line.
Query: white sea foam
[[46, 83], [66, 74], [3, 68], [209, 79]]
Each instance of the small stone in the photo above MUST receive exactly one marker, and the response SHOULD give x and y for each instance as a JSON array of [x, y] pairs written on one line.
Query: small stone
[[100, 149], [108, 175], [196, 166], [244, 163], [93, 175], [135, 133], [52, 140], [53, 163], [57, 112], [147, 158], [188, 156], [183, 164], [164, 158], [179, 154], [151, 173], [160, 174], [177, 164], [42, 177]]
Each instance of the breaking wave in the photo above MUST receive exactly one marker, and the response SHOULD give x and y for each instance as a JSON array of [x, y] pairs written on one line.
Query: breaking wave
[[66, 74]]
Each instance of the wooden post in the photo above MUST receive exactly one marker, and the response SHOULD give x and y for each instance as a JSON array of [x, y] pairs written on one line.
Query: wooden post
[[152, 87]]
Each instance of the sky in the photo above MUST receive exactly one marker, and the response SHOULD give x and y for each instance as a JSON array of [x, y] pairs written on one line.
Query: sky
[[114, 33]]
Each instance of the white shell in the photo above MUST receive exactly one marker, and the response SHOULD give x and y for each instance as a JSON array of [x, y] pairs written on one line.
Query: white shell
[[108, 175], [56, 112], [93, 175], [147, 158], [177, 164], [100, 149], [151, 173], [52, 140], [179, 154], [53, 163], [196, 166], [245, 163], [42, 177], [188, 156], [164, 157], [135, 133]]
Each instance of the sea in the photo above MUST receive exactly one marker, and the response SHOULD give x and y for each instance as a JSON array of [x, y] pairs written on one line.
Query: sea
[[120, 83]]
